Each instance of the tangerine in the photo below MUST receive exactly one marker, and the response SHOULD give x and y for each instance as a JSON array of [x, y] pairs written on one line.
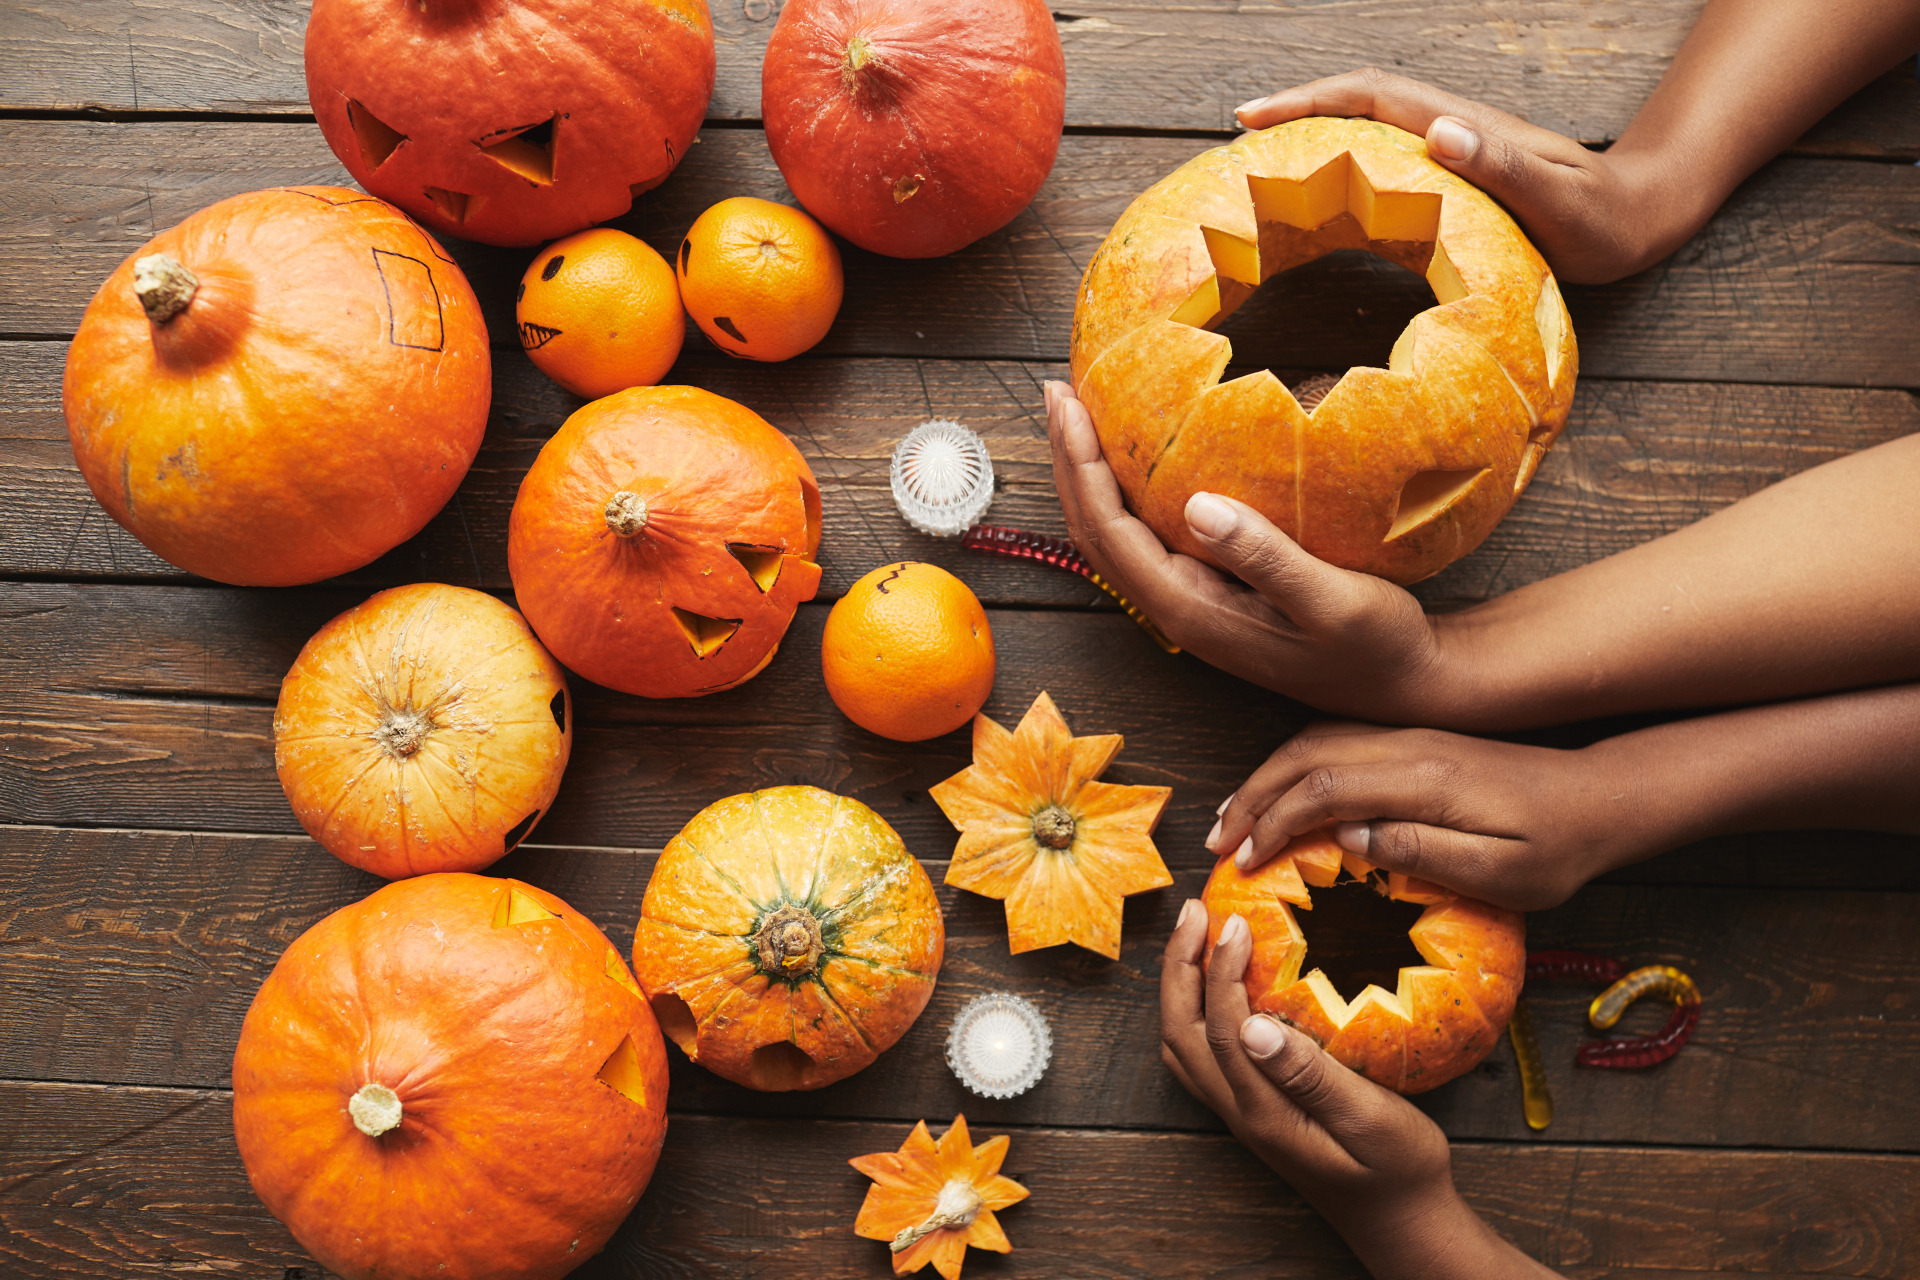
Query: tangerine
[[908, 652], [762, 280], [599, 312]]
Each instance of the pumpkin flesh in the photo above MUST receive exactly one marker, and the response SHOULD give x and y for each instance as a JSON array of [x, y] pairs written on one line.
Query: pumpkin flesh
[[925, 1185]]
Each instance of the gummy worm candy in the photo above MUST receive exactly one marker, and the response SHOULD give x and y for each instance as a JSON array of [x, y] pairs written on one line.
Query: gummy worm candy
[[1534, 1097], [1642, 1051], [1001, 540], [1573, 966]]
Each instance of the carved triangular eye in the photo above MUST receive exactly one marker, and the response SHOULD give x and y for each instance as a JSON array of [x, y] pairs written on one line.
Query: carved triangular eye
[[527, 150], [376, 137], [454, 206], [704, 634], [623, 1075], [617, 970], [1427, 495], [516, 907], [762, 563]]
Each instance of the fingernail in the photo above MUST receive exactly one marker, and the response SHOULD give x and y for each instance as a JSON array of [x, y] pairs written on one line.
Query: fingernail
[[1211, 517], [1448, 139], [1248, 105], [1354, 837], [1263, 1036], [1222, 810], [1213, 836], [1187, 909], [1243, 856], [1234, 931]]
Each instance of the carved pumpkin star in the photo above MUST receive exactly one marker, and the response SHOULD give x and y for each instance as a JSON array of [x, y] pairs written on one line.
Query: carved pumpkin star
[[1037, 830], [930, 1201]]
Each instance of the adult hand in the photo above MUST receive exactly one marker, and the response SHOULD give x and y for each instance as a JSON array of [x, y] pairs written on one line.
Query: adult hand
[[1521, 827], [1378, 1169], [1346, 642], [1593, 215]]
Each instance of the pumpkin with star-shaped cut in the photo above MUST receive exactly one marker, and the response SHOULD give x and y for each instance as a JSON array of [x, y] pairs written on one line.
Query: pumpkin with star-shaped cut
[[930, 1200], [1038, 829]]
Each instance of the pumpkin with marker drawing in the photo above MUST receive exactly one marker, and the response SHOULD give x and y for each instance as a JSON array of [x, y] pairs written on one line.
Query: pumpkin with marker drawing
[[456, 1076], [282, 388], [423, 730]]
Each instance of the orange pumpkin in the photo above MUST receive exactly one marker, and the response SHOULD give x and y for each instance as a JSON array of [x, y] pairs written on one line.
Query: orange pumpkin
[[455, 1077], [424, 730], [1446, 1015], [662, 540], [280, 389], [787, 938], [510, 123]]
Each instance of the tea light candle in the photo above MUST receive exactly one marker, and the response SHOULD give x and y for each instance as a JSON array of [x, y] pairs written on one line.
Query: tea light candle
[[942, 477], [999, 1045]]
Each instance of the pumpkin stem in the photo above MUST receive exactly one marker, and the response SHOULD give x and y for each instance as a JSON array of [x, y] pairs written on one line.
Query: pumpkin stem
[[164, 286], [626, 513], [958, 1205], [375, 1109], [403, 732], [859, 53], [1053, 827], [789, 942]]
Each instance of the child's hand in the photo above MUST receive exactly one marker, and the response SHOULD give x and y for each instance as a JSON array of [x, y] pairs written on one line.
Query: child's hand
[[1372, 1164], [1592, 217], [1520, 827], [1346, 642]]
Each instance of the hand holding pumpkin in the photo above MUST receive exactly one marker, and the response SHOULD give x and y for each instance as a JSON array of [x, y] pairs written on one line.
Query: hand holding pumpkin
[[1367, 1159]]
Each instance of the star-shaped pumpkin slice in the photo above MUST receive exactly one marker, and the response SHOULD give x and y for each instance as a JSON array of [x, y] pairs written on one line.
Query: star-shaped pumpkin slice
[[931, 1200], [1039, 830]]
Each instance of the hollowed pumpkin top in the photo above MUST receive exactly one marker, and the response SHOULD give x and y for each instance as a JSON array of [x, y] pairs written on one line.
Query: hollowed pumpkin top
[[1397, 471], [662, 540], [1445, 1016], [787, 938], [280, 389], [456, 1076]]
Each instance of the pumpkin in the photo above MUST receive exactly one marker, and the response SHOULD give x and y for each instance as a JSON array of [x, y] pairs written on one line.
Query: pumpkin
[[1396, 471], [913, 128], [662, 540], [787, 938], [1038, 829], [423, 730], [929, 1200], [280, 389], [511, 124], [1445, 1016], [456, 1077]]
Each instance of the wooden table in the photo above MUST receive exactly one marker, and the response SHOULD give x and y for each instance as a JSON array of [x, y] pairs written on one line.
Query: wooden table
[[151, 872]]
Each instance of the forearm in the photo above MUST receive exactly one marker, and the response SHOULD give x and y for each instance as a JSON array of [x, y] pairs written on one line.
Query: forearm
[[1810, 586], [1751, 77], [1440, 1240]]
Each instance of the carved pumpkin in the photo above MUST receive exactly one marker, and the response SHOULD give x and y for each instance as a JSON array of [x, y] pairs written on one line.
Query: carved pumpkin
[[662, 540], [280, 389], [912, 128], [1396, 471], [510, 123], [456, 1077], [1446, 1015], [424, 730], [1038, 829], [787, 938]]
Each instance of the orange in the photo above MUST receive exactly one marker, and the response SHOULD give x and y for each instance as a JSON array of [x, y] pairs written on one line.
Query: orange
[[908, 652], [599, 312], [760, 279]]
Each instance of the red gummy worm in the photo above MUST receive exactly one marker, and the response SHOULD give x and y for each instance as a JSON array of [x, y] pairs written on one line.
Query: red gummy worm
[[1001, 540], [1573, 966], [1643, 1051]]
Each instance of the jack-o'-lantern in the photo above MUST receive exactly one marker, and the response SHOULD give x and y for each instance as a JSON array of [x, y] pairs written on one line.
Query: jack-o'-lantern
[[1396, 471], [510, 123]]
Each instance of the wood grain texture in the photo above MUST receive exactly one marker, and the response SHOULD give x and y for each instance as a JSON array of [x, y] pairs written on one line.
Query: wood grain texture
[[1637, 460], [131, 958], [1580, 69], [1810, 274], [144, 1181]]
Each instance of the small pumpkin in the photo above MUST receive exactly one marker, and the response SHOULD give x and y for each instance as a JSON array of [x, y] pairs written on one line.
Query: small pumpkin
[[662, 540], [513, 123], [1039, 829], [911, 128], [456, 1076], [425, 729], [930, 1200], [1445, 1016], [280, 389], [787, 938]]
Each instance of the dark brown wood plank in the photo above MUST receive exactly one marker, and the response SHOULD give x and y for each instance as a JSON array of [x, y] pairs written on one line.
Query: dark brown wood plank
[[131, 1181], [1809, 274], [1579, 69], [130, 957], [1637, 460]]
